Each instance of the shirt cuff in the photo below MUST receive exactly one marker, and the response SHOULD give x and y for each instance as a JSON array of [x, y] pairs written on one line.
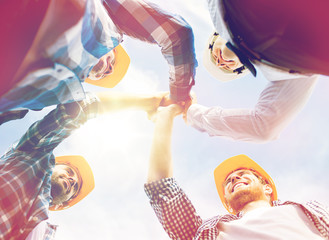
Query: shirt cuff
[[194, 113], [180, 93], [165, 189], [91, 105]]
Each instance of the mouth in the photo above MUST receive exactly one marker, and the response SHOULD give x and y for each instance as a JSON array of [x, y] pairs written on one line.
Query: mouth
[[239, 184]]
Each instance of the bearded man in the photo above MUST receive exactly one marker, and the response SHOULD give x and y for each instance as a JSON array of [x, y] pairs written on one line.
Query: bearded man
[[246, 190]]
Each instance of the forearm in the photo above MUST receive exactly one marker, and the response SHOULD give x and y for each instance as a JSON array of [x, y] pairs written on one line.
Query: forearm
[[278, 104], [173, 208], [110, 101], [160, 158], [147, 22], [46, 134]]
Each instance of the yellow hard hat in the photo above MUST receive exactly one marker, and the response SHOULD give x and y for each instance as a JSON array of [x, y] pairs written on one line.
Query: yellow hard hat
[[239, 162], [120, 67], [86, 175]]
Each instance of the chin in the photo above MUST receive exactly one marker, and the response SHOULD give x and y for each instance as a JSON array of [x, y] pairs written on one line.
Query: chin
[[241, 198]]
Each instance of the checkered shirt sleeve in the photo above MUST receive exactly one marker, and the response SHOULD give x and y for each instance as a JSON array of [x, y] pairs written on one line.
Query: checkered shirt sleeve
[[317, 213], [173, 209], [177, 214], [47, 133], [12, 115], [145, 21]]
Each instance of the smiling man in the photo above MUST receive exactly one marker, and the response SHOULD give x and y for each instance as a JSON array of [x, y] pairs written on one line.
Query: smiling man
[[33, 181], [245, 189]]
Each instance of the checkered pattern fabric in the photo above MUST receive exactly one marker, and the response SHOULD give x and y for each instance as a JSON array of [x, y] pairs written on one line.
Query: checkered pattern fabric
[[181, 221], [74, 54], [72, 57], [12, 115], [26, 168], [171, 32]]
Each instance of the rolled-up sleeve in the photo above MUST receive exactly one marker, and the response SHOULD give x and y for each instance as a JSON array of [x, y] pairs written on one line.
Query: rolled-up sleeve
[[173, 209], [145, 21]]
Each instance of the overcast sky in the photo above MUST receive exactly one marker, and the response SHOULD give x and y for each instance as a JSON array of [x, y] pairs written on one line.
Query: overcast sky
[[118, 146]]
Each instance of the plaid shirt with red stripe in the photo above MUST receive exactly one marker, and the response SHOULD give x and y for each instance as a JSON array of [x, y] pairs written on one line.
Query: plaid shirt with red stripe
[[181, 221], [149, 23], [99, 31], [25, 169]]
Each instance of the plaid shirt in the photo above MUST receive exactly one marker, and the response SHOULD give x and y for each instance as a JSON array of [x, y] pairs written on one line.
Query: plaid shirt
[[26, 168], [77, 50], [181, 221], [171, 32]]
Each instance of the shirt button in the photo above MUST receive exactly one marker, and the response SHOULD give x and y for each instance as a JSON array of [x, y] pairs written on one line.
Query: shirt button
[[35, 219]]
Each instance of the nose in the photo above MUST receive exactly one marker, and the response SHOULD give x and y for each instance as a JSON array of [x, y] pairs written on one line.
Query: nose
[[235, 178]]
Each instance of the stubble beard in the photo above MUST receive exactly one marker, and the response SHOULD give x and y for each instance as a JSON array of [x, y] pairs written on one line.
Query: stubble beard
[[57, 191], [244, 196]]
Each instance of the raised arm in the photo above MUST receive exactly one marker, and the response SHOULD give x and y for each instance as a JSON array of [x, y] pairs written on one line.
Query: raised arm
[[147, 22], [171, 205], [160, 159], [110, 101], [46, 134]]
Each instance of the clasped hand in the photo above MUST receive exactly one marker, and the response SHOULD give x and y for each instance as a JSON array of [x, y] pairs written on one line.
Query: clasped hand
[[173, 108]]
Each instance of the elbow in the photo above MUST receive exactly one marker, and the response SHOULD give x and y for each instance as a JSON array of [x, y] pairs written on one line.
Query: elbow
[[183, 33], [266, 136], [266, 129]]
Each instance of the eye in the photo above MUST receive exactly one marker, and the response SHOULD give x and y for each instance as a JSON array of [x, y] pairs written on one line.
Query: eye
[[69, 171], [76, 188], [227, 181]]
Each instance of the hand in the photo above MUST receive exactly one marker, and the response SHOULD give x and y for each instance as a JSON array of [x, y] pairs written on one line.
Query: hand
[[159, 99], [187, 104], [170, 111], [166, 101]]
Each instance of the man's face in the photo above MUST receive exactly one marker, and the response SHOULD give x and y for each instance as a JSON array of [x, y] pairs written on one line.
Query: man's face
[[242, 187], [104, 67], [65, 183], [223, 57]]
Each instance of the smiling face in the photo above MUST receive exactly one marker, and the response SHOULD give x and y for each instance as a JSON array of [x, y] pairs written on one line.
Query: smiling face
[[223, 57], [104, 67], [65, 183], [242, 187]]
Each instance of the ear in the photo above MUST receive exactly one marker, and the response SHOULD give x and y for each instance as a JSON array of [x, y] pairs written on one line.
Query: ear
[[57, 206], [230, 209], [268, 190]]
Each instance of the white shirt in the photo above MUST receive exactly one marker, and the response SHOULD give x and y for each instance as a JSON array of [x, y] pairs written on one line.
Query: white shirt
[[271, 223], [38, 232], [281, 100]]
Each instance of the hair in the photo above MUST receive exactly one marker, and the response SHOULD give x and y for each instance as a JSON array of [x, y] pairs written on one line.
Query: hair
[[260, 178]]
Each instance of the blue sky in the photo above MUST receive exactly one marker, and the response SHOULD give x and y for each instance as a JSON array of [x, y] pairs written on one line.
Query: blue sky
[[118, 146]]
